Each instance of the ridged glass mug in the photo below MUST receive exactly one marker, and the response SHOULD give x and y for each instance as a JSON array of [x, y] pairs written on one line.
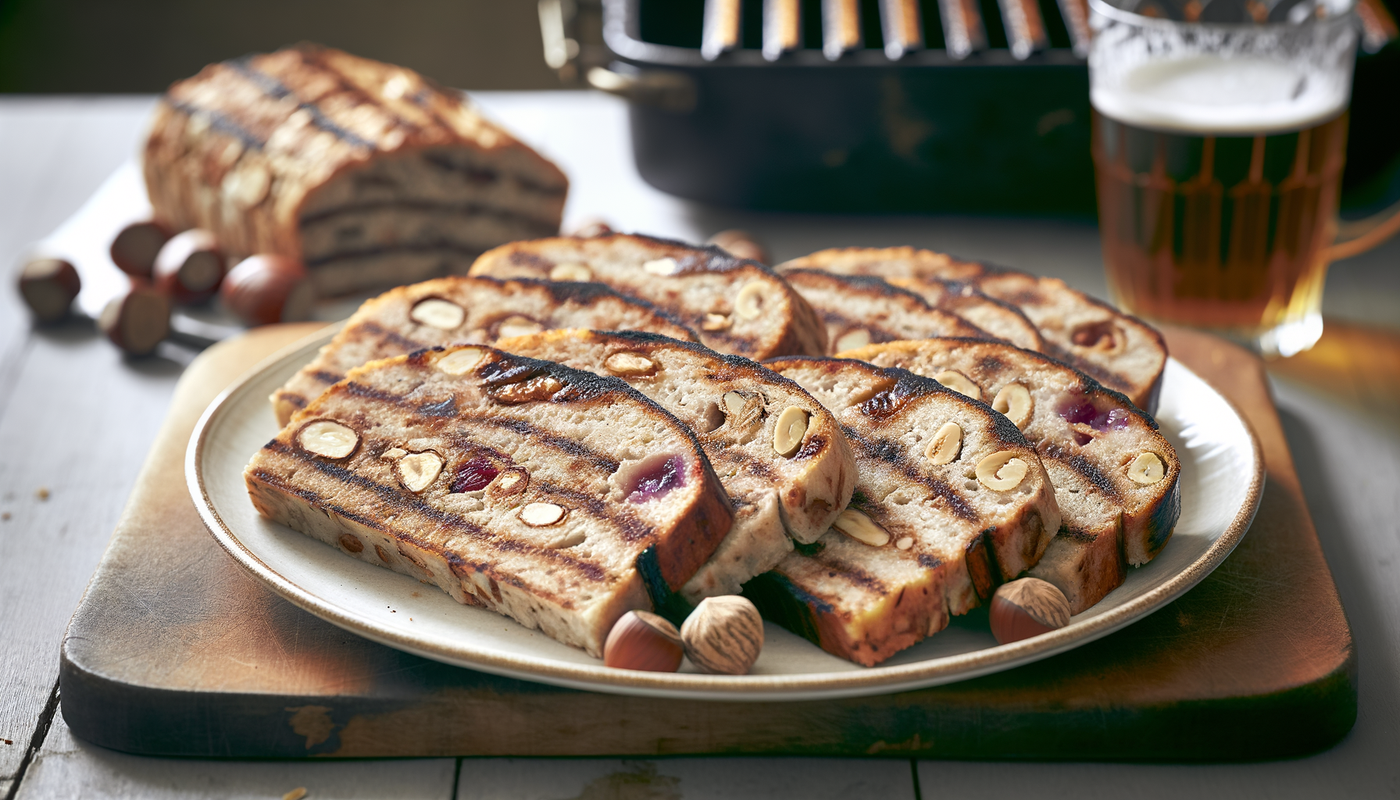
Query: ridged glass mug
[[1219, 138]]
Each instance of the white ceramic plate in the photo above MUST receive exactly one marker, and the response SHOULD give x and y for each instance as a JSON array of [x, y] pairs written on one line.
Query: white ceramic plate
[[1221, 481]]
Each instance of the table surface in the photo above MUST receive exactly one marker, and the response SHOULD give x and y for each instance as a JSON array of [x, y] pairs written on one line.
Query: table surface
[[76, 420]]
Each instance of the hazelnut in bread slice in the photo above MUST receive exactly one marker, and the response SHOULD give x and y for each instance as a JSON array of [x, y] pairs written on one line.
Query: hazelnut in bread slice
[[1118, 350], [779, 454], [950, 501], [461, 310], [738, 307], [559, 498], [861, 309], [1115, 475]]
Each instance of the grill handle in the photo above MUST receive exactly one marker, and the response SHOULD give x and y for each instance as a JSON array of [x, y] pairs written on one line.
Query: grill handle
[[670, 91]]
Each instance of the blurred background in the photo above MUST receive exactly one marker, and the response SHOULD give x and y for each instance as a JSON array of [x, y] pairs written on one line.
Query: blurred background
[[142, 46]]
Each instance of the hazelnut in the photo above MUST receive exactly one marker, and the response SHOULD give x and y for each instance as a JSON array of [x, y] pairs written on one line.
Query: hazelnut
[[136, 246], [959, 383], [1147, 469], [540, 515], [136, 321], [628, 365], [438, 313], [511, 482], [905, 542], [268, 288], [723, 635], [662, 266], [1015, 402], [788, 433], [714, 322], [460, 361], [49, 286], [570, 271], [517, 325], [862, 528], [417, 471], [1027, 607], [189, 267], [1002, 471], [642, 640], [945, 445], [742, 410], [751, 300], [740, 244], [852, 340], [328, 438]]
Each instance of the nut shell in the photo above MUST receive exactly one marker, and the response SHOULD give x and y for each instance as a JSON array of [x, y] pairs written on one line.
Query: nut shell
[[1027, 607], [644, 641], [137, 321], [135, 247], [268, 288], [723, 635], [190, 267], [49, 286]]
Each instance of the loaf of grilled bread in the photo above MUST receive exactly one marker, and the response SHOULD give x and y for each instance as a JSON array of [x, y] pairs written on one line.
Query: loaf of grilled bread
[[997, 317], [1118, 350], [1115, 475], [371, 174], [862, 309], [559, 498], [779, 454], [462, 310], [738, 307], [950, 501]]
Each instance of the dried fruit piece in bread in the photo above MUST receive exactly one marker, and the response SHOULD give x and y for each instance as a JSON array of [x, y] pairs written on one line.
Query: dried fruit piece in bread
[[861, 309], [369, 173], [785, 484], [554, 496], [461, 310], [950, 501], [1118, 350], [738, 307], [1115, 475], [997, 317]]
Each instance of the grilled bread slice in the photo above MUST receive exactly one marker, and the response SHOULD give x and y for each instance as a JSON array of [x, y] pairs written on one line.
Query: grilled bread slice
[[461, 310], [785, 485], [1115, 475], [924, 537], [371, 174], [556, 497], [997, 317], [1120, 351], [738, 307], [861, 309]]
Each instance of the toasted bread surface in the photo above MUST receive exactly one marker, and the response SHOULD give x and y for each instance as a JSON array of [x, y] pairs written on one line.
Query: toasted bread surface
[[738, 307], [461, 310], [554, 496], [923, 538], [733, 405]]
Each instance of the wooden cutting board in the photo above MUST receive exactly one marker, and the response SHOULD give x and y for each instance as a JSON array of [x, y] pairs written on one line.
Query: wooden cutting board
[[174, 650]]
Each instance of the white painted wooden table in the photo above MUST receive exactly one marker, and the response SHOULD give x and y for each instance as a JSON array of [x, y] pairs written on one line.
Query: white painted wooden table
[[76, 420]]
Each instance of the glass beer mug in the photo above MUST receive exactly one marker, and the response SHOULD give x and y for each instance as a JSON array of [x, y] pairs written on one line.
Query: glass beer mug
[[1218, 142]]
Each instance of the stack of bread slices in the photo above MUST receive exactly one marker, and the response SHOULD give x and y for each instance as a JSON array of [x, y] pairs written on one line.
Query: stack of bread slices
[[585, 426]]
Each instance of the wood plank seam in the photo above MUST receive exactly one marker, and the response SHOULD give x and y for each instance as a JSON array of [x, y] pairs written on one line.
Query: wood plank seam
[[41, 731]]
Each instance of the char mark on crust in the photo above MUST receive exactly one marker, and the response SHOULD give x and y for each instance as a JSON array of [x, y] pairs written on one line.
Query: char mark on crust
[[327, 377], [1084, 467], [913, 385], [218, 121], [632, 528], [854, 573], [525, 258], [741, 366], [277, 90], [465, 209], [721, 453], [358, 389], [579, 385], [563, 444], [372, 252], [716, 259], [869, 283], [893, 454]]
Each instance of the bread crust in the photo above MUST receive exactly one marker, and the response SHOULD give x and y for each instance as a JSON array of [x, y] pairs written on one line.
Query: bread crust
[[584, 442], [873, 310], [701, 286]]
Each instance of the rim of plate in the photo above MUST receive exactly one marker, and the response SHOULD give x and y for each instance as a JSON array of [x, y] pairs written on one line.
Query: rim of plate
[[790, 687]]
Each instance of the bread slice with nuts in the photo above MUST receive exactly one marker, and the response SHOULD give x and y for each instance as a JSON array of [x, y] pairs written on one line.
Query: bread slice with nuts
[[997, 317], [460, 310], [779, 454], [1115, 475], [1118, 350], [861, 309], [950, 501], [559, 498], [738, 307]]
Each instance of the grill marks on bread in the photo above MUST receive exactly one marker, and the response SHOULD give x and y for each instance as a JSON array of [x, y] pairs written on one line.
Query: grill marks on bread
[[1087, 437], [950, 539], [384, 326], [579, 442], [736, 306]]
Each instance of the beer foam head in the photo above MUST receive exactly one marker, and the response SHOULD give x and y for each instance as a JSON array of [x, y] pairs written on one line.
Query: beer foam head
[[1222, 95]]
